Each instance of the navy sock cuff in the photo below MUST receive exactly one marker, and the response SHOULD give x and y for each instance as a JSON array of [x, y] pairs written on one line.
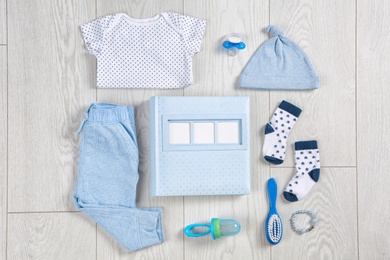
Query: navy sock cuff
[[292, 109], [306, 145]]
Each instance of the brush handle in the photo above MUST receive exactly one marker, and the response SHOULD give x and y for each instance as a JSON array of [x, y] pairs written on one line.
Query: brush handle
[[272, 192]]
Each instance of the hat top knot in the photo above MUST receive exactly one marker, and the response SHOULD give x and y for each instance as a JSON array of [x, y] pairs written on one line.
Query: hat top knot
[[275, 31]]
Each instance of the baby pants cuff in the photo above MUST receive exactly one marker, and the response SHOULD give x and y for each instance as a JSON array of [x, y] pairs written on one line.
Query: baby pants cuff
[[150, 227]]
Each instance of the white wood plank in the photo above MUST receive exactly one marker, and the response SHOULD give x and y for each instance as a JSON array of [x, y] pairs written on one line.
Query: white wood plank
[[373, 94], [325, 30], [172, 206], [215, 73], [3, 150], [50, 86], [51, 236], [334, 201], [3, 22]]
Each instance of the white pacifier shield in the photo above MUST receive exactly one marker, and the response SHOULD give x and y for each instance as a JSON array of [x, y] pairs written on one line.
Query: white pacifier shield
[[234, 39]]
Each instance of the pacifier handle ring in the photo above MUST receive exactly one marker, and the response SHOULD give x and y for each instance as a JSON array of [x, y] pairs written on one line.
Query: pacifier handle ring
[[188, 229]]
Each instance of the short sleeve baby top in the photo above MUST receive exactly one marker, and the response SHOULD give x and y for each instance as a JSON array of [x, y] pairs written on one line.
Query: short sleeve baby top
[[144, 53]]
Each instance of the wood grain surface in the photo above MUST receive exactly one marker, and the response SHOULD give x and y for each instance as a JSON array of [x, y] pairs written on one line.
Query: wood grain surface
[[3, 150], [50, 87], [373, 143], [51, 236], [3, 21], [48, 80], [334, 201], [325, 30]]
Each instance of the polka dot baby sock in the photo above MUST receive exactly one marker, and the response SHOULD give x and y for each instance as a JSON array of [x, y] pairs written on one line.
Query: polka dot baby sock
[[277, 130], [307, 164]]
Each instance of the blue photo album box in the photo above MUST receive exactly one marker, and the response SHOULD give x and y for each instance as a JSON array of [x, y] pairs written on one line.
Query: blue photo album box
[[199, 146]]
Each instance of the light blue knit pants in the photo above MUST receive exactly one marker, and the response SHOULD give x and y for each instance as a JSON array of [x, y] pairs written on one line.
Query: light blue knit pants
[[108, 176]]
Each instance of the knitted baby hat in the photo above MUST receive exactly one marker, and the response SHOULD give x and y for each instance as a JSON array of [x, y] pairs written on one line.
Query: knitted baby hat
[[279, 64]]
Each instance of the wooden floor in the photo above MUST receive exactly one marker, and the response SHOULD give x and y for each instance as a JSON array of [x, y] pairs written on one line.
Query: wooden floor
[[47, 81]]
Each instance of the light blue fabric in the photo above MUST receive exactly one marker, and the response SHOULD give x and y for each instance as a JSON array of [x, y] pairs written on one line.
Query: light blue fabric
[[220, 167], [108, 176], [279, 64]]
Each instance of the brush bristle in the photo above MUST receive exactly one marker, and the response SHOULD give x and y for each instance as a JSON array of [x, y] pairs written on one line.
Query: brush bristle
[[274, 228]]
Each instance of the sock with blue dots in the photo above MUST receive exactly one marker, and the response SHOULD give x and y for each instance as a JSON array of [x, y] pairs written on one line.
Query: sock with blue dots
[[277, 130], [307, 164]]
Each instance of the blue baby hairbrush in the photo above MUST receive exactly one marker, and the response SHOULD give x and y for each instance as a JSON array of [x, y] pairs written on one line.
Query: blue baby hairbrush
[[273, 224], [218, 228]]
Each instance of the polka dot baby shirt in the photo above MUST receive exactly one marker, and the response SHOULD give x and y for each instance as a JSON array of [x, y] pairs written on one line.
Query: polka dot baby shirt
[[144, 53]]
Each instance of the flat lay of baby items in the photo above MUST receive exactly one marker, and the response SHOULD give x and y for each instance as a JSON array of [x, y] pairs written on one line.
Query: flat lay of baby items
[[233, 43], [108, 176], [279, 64], [153, 52], [313, 221], [199, 146], [273, 224], [218, 228]]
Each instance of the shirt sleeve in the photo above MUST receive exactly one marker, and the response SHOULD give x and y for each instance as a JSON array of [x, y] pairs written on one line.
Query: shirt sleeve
[[93, 33], [193, 30]]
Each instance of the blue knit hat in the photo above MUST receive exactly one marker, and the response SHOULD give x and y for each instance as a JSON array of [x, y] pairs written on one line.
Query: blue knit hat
[[279, 64]]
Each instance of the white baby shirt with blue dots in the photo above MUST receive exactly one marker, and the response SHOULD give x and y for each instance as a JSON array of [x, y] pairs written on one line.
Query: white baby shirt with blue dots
[[144, 53]]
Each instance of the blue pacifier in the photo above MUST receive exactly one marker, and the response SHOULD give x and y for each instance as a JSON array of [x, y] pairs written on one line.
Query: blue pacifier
[[233, 43], [218, 228]]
